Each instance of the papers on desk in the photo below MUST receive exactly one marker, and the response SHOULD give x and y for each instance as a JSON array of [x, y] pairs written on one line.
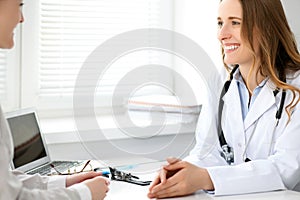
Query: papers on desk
[[167, 107], [162, 103]]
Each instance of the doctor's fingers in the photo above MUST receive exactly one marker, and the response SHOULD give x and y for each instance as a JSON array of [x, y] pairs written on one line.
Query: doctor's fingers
[[177, 185], [173, 160], [162, 189], [155, 182], [177, 178], [177, 190], [160, 178], [168, 192], [177, 166], [163, 175]]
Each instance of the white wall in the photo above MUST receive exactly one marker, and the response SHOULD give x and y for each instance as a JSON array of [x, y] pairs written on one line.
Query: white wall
[[292, 8], [197, 20]]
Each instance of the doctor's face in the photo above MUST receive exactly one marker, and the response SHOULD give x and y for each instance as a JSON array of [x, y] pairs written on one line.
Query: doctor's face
[[236, 50], [10, 16]]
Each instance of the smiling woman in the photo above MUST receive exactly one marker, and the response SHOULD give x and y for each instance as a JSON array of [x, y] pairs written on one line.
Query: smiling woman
[[15, 184], [10, 16], [252, 146]]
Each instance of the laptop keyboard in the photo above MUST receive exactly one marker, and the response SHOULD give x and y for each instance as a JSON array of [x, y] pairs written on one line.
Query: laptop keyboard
[[61, 166]]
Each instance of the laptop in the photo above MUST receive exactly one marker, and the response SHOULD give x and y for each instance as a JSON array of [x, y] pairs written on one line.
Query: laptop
[[30, 150]]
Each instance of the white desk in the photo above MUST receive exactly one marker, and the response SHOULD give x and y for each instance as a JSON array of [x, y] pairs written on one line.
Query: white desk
[[122, 190]]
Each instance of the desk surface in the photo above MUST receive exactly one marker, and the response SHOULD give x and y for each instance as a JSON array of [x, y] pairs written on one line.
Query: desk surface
[[120, 190], [147, 171]]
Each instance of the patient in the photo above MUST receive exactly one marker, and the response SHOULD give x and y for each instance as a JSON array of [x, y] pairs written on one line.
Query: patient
[[15, 185]]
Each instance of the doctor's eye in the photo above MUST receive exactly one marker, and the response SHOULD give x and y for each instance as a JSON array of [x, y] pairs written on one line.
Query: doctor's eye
[[220, 24], [21, 4], [235, 23]]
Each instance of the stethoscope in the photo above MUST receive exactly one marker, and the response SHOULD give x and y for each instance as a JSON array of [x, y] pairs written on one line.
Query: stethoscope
[[227, 151]]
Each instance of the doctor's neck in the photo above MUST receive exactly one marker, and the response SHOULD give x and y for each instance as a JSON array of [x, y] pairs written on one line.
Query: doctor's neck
[[251, 77]]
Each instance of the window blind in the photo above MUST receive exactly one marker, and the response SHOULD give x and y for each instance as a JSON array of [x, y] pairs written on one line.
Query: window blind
[[72, 29], [3, 74]]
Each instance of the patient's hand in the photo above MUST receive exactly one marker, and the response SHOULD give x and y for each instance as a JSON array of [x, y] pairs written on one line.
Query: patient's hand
[[97, 184], [98, 187], [79, 177]]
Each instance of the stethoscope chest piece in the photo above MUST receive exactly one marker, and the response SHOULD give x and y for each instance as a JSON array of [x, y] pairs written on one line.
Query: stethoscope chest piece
[[227, 151], [227, 154]]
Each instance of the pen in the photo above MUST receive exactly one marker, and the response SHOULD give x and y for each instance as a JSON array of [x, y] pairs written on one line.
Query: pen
[[104, 173], [86, 164]]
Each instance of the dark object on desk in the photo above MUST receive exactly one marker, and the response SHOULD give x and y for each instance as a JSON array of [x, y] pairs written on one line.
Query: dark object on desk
[[126, 177], [104, 173]]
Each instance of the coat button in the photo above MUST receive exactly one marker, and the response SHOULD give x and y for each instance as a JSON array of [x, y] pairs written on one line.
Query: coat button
[[240, 145]]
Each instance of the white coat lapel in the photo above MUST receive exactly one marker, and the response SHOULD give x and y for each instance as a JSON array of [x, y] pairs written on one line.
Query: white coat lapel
[[262, 103]]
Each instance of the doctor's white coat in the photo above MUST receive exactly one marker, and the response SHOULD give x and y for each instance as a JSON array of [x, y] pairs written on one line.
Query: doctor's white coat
[[274, 154]]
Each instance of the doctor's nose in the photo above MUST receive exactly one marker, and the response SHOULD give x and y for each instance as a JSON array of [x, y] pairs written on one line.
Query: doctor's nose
[[224, 33]]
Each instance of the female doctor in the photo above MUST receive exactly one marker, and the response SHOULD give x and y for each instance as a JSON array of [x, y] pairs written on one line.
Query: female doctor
[[15, 185], [259, 123]]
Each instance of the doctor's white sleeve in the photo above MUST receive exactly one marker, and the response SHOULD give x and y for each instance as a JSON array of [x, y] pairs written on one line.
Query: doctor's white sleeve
[[206, 152]]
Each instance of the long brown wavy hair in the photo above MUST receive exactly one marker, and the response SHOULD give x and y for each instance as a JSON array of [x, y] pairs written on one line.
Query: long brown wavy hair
[[278, 51]]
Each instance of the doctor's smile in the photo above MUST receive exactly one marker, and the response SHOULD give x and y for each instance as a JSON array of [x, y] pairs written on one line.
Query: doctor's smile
[[230, 47]]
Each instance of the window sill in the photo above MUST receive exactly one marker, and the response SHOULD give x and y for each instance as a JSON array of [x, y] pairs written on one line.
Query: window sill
[[64, 130]]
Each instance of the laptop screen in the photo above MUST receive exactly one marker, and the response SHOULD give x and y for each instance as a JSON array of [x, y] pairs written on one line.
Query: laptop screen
[[29, 149]]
